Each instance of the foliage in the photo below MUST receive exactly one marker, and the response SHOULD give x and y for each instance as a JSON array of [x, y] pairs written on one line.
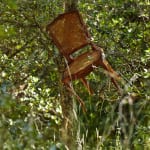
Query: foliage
[[30, 77]]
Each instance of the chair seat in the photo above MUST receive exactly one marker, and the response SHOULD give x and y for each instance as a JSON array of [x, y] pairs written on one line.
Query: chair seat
[[82, 65]]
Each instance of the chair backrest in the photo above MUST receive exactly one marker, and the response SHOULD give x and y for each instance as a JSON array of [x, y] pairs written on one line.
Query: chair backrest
[[69, 33]]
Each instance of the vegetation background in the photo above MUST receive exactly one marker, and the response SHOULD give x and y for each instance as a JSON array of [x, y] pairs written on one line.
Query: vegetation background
[[36, 112]]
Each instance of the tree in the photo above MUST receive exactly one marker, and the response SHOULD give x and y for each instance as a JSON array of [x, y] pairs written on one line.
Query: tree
[[34, 106]]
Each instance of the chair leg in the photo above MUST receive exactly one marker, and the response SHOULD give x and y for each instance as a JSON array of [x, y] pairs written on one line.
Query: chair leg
[[86, 84], [70, 88], [114, 76]]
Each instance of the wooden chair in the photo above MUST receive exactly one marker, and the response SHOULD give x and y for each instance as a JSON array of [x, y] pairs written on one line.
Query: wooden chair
[[70, 35]]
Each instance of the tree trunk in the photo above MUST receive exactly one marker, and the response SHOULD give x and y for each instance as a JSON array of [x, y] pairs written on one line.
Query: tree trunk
[[70, 5], [68, 127]]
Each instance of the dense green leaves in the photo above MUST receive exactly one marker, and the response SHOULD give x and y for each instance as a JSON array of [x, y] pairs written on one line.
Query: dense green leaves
[[30, 77]]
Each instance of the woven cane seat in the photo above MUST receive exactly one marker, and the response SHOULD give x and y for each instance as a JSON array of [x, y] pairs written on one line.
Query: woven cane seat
[[82, 65]]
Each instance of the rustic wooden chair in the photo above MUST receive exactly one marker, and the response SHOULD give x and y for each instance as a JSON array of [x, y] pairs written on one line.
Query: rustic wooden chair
[[70, 35]]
